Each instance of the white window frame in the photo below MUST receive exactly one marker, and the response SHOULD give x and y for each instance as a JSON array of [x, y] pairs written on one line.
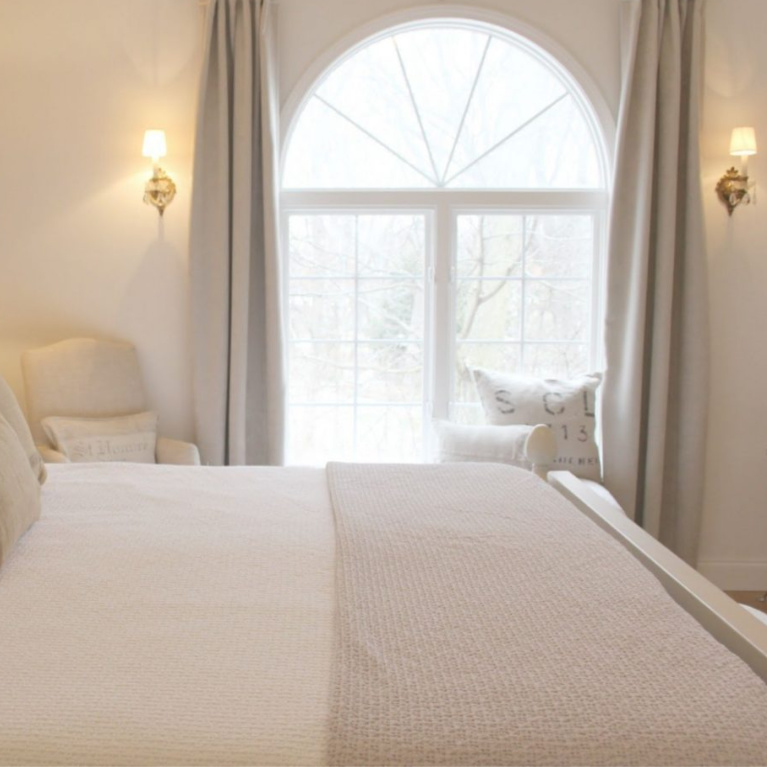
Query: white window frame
[[442, 206]]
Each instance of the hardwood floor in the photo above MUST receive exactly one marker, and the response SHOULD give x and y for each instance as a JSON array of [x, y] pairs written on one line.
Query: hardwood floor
[[750, 598]]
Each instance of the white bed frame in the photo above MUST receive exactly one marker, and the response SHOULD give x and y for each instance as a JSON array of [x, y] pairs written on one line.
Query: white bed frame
[[721, 616]]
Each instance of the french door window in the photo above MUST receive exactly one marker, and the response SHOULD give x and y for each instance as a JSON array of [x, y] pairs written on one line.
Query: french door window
[[443, 208]]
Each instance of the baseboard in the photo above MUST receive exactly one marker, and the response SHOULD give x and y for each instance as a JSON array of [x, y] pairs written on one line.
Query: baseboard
[[736, 576]]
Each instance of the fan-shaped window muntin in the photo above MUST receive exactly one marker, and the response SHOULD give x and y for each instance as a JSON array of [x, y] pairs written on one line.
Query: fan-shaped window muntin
[[424, 235], [444, 106]]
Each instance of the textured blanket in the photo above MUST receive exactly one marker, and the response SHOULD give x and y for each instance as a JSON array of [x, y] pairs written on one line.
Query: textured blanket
[[169, 615], [482, 620]]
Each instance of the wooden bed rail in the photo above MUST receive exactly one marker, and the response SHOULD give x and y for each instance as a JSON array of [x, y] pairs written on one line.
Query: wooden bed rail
[[721, 616]]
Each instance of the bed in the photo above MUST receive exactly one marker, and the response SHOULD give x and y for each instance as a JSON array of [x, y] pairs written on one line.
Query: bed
[[466, 614]]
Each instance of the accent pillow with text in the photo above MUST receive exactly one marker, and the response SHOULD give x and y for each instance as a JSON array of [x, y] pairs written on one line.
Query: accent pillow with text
[[120, 438], [568, 407]]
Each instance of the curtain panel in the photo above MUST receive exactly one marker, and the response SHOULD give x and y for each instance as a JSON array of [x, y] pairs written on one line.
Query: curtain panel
[[239, 370], [655, 395]]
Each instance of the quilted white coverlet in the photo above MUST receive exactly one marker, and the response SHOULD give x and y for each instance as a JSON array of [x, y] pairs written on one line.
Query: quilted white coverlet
[[168, 615]]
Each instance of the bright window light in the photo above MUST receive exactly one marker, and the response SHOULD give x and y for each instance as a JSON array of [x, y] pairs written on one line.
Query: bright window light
[[444, 201]]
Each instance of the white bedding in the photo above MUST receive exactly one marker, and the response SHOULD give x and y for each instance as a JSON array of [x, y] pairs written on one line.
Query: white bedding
[[223, 658], [175, 615]]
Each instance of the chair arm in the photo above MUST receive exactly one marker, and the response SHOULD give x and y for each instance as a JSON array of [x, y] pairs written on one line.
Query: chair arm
[[174, 451], [50, 455]]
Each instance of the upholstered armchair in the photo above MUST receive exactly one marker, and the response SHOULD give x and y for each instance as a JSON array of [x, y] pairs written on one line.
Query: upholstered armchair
[[89, 378]]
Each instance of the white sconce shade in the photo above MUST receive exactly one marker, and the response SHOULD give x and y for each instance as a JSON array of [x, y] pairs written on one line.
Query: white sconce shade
[[733, 188], [160, 189], [154, 144], [743, 142]]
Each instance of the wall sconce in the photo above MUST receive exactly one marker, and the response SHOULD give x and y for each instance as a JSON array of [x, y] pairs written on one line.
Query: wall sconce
[[160, 189], [733, 188]]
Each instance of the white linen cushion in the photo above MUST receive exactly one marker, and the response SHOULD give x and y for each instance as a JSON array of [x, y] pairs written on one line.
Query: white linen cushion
[[11, 412], [19, 490], [497, 444], [568, 407], [121, 438]]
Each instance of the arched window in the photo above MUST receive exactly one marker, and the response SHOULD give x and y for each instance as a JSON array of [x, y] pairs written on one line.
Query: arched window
[[444, 194]]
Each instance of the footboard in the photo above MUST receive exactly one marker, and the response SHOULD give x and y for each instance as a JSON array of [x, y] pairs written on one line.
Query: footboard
[[734, 627]]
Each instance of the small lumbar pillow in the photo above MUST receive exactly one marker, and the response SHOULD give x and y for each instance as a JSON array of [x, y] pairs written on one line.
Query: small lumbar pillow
[[19, 490], [495, 444], [10, 410], [568, 407], [121, 438]]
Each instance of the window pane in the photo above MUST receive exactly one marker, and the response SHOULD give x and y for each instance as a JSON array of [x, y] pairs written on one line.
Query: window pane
[[441, 66], [557, 310], [555, 151], [391, 246], [328, 152], [321, 246], [390, 434], [489, 310], [357, 341], [370, 90], [321, 372], [513, 87], [560, 246], [536, 323], [322, 309], [490, 246], [556, 360], [390, 372], [390, 309], [320, 434]]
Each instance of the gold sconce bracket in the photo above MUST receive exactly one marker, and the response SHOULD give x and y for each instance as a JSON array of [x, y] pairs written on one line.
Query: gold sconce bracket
[[159, 190], [733, 190]]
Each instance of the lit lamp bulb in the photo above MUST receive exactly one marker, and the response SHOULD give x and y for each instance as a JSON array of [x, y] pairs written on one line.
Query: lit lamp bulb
[[733, 188], [160, 189]]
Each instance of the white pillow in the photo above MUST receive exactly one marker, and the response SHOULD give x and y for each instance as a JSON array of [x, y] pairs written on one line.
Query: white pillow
[[568, 407], [496, 444], [19, 490], [121, 438], [10, 410]]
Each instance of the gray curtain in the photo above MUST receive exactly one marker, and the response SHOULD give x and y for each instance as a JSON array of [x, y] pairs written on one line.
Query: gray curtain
[[239, 378], [655, 391]]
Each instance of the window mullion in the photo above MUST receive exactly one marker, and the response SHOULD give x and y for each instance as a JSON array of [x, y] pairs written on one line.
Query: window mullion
[[356, 332], [523, 291], [443, 322]]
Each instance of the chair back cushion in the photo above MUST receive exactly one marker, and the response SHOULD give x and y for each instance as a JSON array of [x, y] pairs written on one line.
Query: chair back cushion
[[83, 378]]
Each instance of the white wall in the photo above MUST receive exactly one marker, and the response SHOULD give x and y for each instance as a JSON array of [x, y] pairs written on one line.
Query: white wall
[[734, 543], [80, 254]]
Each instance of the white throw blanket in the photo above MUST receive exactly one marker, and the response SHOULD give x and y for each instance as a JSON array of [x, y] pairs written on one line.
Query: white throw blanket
[[483, 620]]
